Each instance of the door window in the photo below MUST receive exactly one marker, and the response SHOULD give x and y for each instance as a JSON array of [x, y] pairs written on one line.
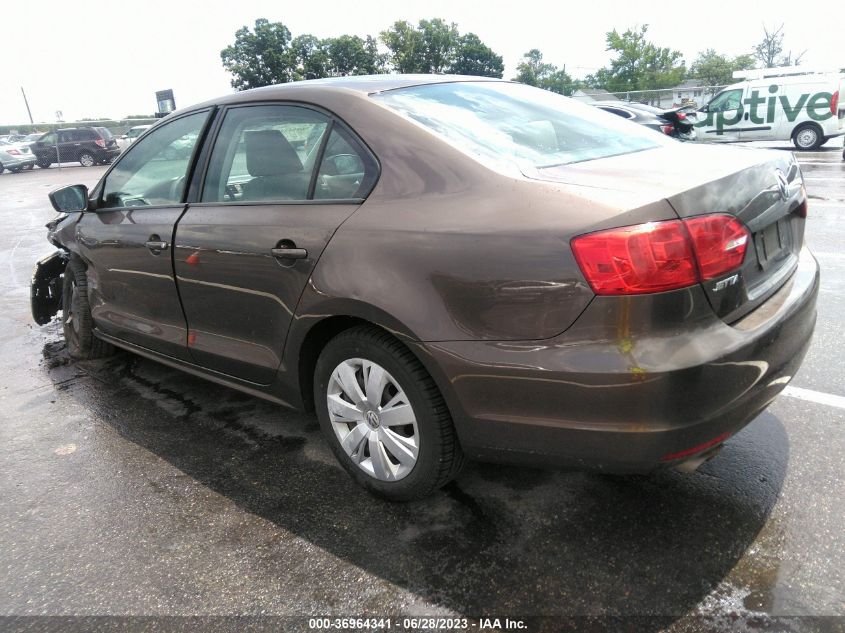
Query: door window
[[728, 100], [49, 138], [265, 153], [346, 171], [65, 136], [154, 170]]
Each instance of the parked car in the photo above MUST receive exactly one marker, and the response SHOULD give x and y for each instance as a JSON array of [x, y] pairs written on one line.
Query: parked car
[[125, 140], [676, 122], [88, 146], [462, 267], [15, 157], [772, 104]]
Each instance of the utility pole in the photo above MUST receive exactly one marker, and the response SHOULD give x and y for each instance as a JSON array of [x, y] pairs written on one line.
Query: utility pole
[[28, 111]]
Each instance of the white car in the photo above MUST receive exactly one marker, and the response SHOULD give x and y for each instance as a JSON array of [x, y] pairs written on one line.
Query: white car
[[133, 133], [15, 156], [772, 104]]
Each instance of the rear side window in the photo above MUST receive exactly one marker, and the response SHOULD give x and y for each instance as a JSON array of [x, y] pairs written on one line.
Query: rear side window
[[346, 170], [508, 123], [84, 135], [264, 153], [153, 171]]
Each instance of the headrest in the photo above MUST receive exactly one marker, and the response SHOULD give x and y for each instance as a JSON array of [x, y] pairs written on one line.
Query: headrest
[[268, 153]]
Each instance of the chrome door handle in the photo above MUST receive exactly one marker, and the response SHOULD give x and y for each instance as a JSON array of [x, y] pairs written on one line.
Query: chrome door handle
[[155, 245], [289, 253]]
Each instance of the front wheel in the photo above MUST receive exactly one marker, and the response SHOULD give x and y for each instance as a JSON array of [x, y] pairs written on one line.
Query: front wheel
[[383, 416], [77, 322], [807, 137], [44, 163]]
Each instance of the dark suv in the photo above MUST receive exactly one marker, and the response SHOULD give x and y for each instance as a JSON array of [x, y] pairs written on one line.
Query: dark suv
[[88, 146]]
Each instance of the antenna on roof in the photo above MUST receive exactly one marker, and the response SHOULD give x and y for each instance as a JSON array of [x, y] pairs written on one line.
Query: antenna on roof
[[784, 71]]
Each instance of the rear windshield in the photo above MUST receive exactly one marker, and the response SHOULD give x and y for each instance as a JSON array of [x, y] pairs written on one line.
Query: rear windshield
[[533, 128]]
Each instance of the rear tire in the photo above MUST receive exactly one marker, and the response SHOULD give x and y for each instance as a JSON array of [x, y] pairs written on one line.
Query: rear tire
[[77, 323], [87, 159], [425, 453], [807, 137]]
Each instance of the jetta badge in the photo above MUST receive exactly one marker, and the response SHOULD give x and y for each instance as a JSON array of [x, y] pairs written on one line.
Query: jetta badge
[[783, 185]]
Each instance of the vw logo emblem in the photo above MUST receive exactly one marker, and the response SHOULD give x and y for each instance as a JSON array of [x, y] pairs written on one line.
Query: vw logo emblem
[[783, 185], [372, 419]]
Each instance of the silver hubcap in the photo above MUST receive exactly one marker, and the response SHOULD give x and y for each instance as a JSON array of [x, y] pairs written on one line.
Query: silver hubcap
[[373, 419], [86, 160], [806, 138]]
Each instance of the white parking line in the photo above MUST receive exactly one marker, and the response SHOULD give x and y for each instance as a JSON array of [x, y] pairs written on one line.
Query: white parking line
[[815, 396]]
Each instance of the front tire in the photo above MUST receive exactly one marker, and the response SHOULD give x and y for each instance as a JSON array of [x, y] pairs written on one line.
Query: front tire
[[44, 163], [383, 416], [77, 322], [807, 137]]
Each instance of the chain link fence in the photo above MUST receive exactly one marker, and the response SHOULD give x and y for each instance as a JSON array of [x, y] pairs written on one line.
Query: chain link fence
[[664, 98]]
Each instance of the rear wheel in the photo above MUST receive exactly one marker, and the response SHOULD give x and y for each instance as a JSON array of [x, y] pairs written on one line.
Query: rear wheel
[[87, 159], [15, 170], [77, 323], [807, 137], [383, 416]]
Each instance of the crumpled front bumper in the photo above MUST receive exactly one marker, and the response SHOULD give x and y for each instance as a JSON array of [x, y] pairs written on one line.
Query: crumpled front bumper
[[45, 290]]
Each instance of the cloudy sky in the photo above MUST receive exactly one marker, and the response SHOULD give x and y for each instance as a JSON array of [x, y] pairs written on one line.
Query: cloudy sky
[[93, 58]]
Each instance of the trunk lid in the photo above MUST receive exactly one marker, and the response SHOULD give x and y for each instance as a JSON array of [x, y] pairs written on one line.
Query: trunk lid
[[762, 188]]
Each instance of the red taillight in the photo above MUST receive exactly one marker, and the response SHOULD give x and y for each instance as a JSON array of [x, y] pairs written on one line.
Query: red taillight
[[834, 103], [681, 116], [719, 242], [660, 256], [100, 142], [693, 450], [13, 152], [667, 129]]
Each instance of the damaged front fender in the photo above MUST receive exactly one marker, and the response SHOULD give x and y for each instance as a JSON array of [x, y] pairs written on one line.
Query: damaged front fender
[[45, 291]]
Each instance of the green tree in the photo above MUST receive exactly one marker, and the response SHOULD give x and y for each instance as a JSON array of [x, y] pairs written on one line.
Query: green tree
[[351, 55], [641, 65], [435, 46], [405, 44], [310, 57], [261, 57], [473, 57], [533, 71], [713, 69]]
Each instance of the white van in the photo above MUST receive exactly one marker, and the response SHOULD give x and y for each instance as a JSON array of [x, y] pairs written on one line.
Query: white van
[[777, 104]]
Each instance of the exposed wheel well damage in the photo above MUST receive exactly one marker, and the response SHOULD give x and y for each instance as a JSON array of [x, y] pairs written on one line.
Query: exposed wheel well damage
[[45, 295]]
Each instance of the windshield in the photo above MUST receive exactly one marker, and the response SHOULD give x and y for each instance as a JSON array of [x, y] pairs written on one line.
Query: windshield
[[528, 126]]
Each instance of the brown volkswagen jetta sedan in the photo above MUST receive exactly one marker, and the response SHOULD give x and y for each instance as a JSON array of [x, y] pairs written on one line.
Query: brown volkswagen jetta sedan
[[445, 267]]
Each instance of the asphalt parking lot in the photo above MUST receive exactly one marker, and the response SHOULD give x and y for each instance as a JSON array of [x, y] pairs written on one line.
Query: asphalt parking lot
[[131, 489]]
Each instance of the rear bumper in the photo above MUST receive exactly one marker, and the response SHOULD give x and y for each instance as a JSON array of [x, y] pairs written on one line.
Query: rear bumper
[[634, 384]]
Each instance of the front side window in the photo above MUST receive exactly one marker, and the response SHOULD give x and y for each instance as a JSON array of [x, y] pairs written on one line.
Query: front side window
[[154, 170], [49, 138], [724, 101], [265, 153], [504, 123]]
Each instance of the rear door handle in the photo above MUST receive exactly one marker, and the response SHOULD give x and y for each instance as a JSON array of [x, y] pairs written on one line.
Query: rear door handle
[[289, 253], [156, 245]]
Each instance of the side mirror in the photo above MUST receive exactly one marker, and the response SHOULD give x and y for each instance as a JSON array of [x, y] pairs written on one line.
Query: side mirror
[[70, 199]]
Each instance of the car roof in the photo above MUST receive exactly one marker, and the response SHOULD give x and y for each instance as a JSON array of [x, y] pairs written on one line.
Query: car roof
[[360, 84]]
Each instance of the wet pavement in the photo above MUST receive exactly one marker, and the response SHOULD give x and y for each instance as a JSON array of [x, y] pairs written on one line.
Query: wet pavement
[[131, 489]]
